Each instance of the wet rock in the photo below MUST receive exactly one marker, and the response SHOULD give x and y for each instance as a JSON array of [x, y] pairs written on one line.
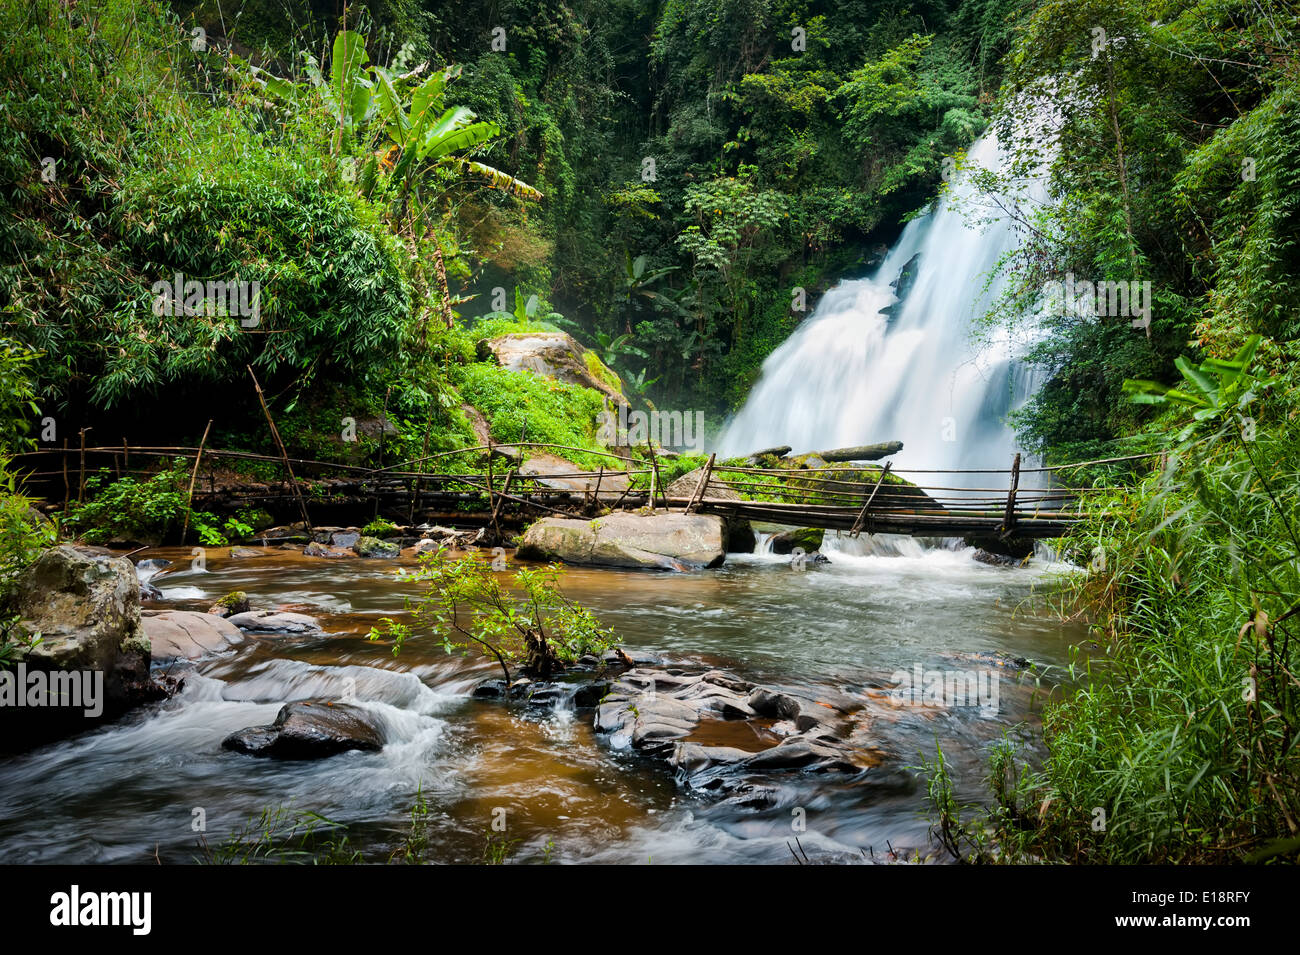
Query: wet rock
[[665, 541], [311, 729], [317, 549], [188, 634], [1015, 547], [246, 553], [778, 452], [589, 695], [374, 547], [995, 560], [146, 571], [274, 621], [718, 678], [346, 539], [285, 533], [808, 539], [693, 757], [234, 602], [659, 711], [794, 753]]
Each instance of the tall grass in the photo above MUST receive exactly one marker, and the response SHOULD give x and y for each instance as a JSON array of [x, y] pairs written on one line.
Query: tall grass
[[1180, 744]]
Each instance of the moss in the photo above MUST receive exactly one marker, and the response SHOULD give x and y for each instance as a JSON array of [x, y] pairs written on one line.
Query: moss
[[520, 405], [602, 372], [809, 538], [235, 602], [379, 528]]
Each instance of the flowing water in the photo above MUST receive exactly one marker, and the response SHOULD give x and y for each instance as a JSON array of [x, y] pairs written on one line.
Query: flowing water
[[867, 367], [853, 373], [128, 792]]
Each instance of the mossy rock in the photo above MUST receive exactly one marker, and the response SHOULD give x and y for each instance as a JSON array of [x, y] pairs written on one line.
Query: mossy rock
[[807, 539], [374, 547]]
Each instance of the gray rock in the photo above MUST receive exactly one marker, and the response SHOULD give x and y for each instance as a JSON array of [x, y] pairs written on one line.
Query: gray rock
[[317, 549], [85, 609], [274, 621], [374, 547], [664, 541], [552, 355], [310, 730], [188, 634], [346, 539], [246, 553]]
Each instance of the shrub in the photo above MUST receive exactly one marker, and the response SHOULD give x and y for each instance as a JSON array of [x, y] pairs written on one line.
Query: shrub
[[465, 603], [152, 509]]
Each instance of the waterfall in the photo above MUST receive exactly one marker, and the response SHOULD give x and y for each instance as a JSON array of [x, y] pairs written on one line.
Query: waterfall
[[892, 356]]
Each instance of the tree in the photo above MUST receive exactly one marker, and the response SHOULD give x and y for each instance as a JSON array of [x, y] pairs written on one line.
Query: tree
[[465, 603]]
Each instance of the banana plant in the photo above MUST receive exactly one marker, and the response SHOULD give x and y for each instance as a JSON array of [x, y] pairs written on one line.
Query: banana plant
[[423, 130], [1214, 388]]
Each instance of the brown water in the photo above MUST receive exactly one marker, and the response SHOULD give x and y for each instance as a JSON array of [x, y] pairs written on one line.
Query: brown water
[[127, 792]]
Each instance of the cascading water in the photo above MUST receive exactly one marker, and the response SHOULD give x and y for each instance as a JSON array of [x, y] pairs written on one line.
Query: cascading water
[[869, 365]]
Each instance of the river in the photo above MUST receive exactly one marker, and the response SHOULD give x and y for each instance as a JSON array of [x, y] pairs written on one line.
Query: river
[[128, 793]]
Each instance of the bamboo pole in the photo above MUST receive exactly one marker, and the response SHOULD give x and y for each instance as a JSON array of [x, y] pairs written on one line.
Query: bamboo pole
[[67, 489], [698, 496], [505, 490], [189, 500], [1009, 519], [81, 469], [275, 433], [862, 515]]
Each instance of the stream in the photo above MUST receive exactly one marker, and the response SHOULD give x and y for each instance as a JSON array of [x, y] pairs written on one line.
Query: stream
[[128, 792]]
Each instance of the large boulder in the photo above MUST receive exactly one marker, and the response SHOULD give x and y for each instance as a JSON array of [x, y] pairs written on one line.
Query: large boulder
[[187, 634], [555, 355], [86, 608], [310, 729], [664, 541]]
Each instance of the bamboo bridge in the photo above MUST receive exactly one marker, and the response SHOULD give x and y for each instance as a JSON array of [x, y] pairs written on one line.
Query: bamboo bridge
[[1012, 503]]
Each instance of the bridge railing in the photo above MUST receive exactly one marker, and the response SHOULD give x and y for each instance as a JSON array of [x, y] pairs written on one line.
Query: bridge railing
[[852, 498]]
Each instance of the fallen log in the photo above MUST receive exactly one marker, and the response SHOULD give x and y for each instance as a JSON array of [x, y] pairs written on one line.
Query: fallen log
[[862, 452]]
